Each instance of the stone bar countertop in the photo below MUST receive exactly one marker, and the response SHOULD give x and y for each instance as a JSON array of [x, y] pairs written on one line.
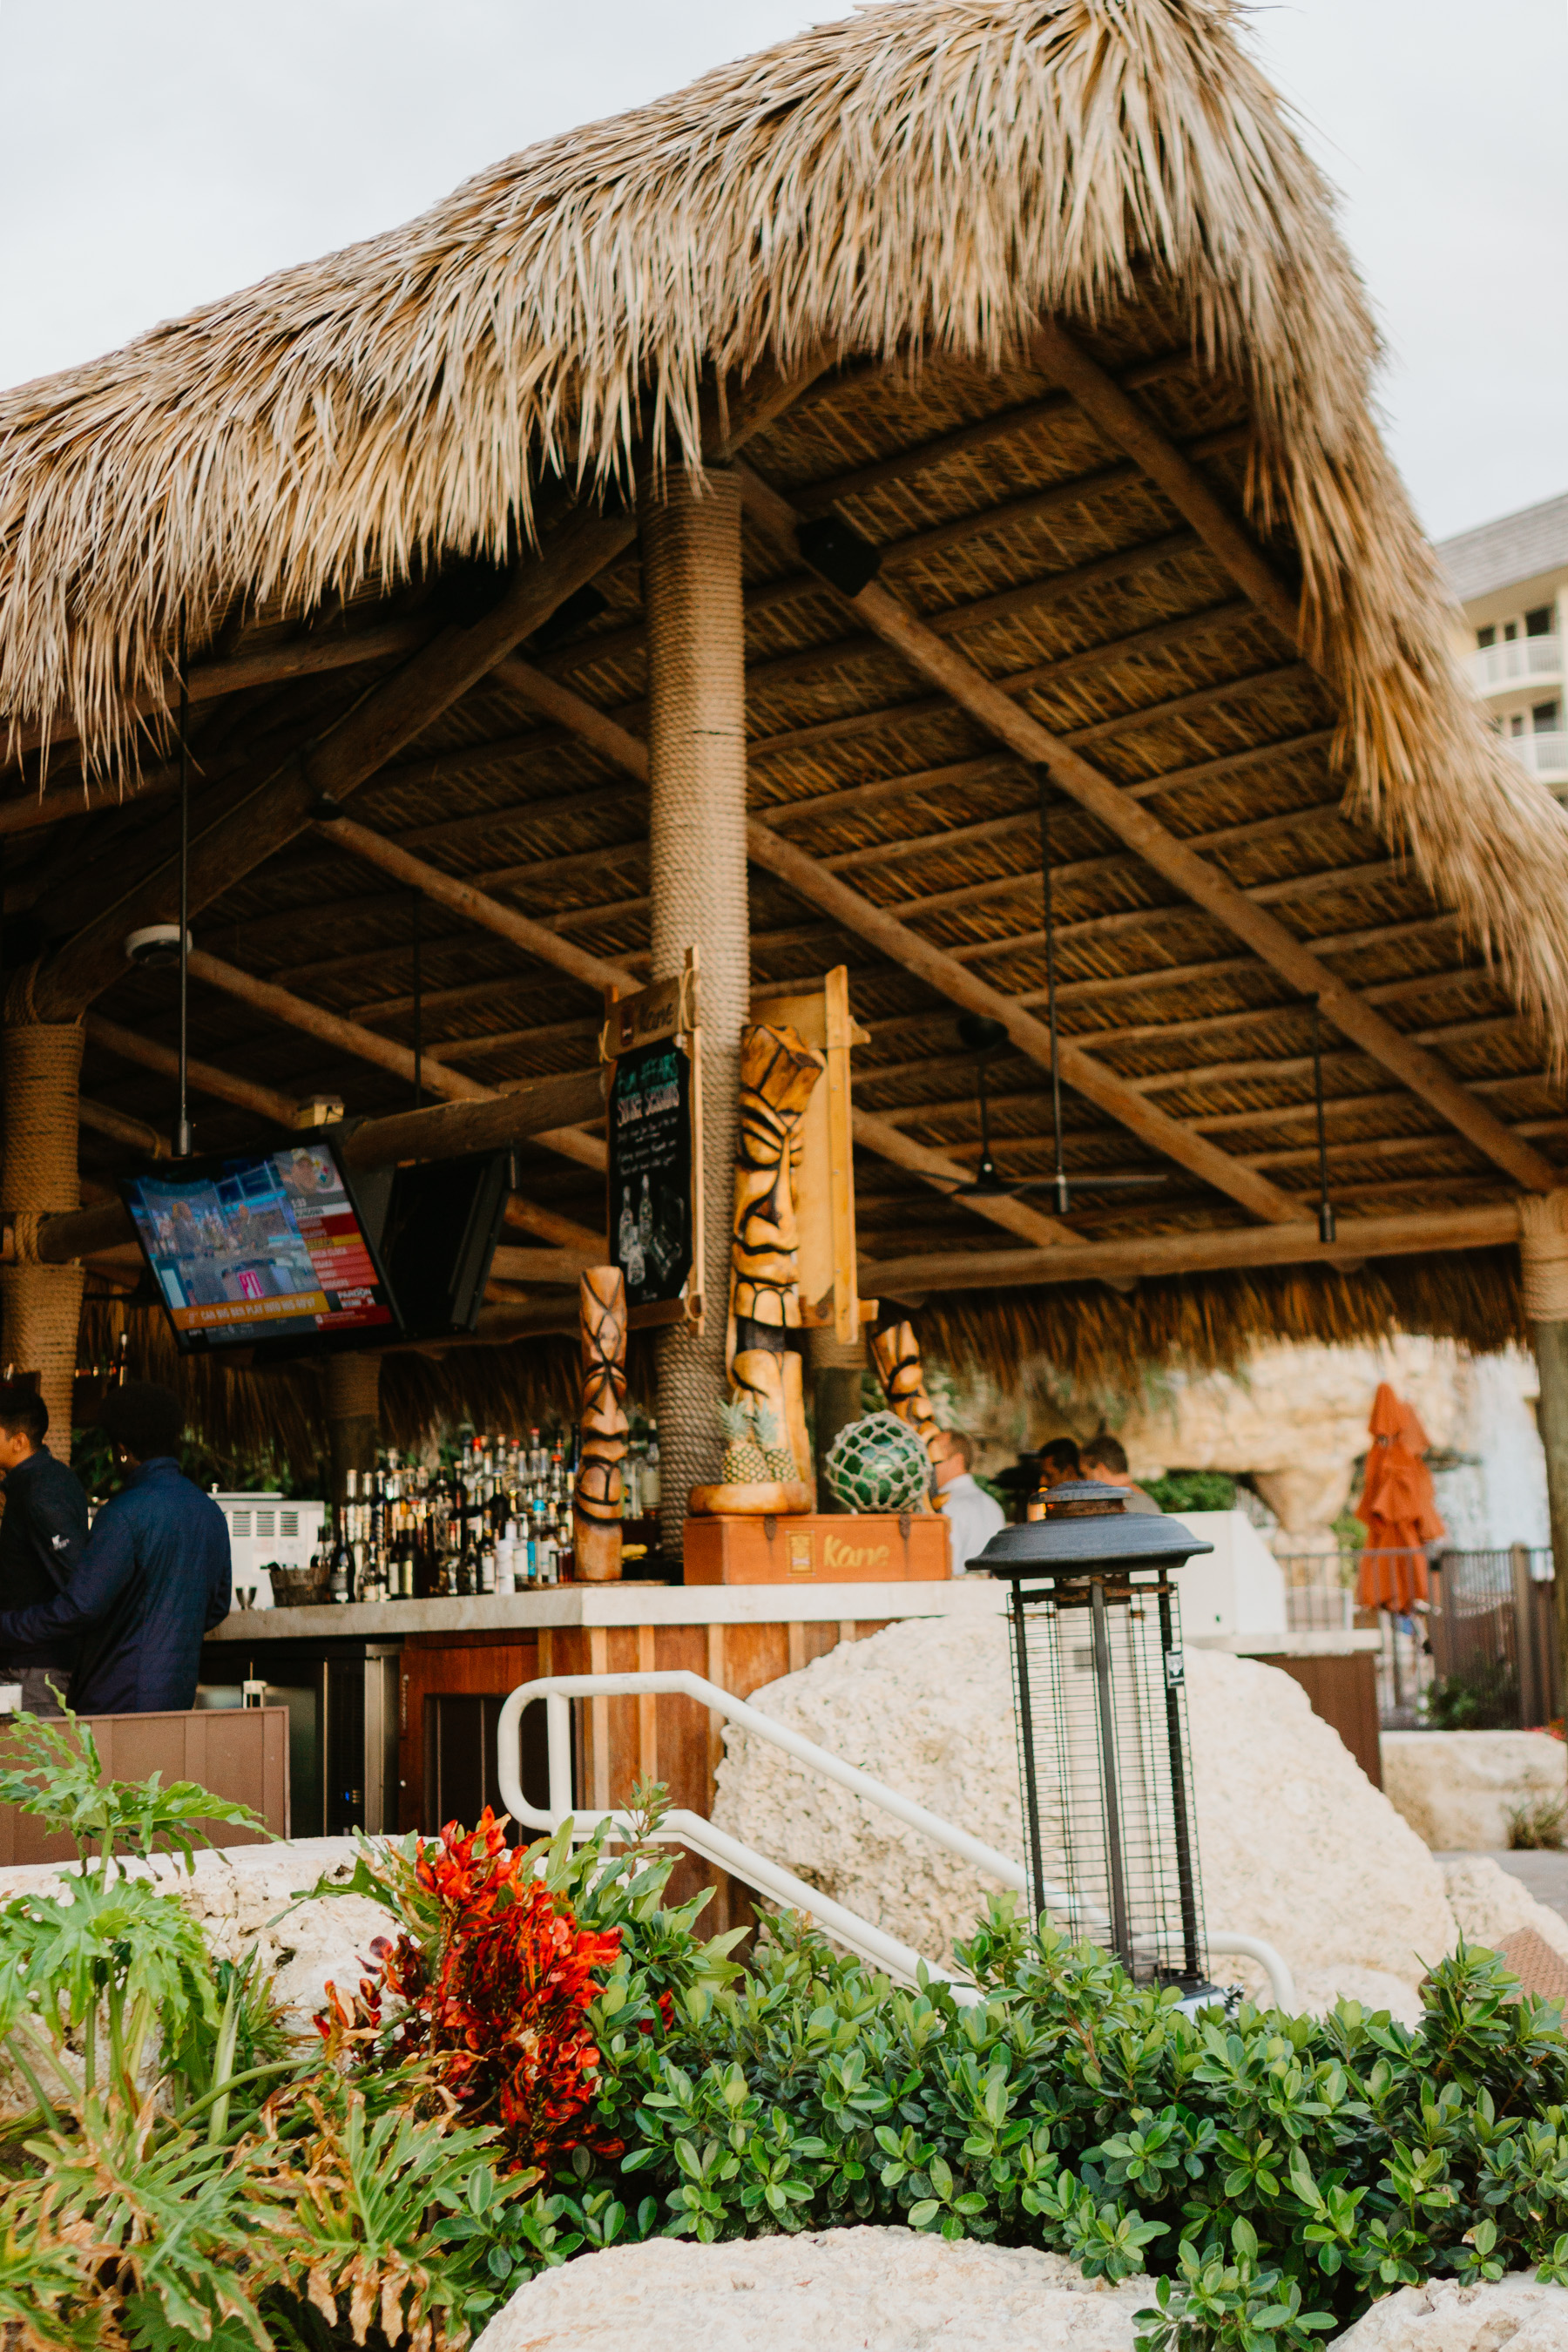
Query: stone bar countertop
[[631, 1602], [1335, 1642]]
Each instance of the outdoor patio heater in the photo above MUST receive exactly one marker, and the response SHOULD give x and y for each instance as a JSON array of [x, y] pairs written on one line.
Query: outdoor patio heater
[[1099, 1686]]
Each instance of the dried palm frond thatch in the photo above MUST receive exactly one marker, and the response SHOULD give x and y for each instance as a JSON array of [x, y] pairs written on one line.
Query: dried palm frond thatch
[[923, 179]]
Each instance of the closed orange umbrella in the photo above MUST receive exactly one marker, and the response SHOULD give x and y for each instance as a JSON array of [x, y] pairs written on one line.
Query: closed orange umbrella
[[1397, 1508]]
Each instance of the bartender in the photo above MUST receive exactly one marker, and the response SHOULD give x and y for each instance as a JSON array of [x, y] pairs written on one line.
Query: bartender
[[41, 1540], [154, 1576]]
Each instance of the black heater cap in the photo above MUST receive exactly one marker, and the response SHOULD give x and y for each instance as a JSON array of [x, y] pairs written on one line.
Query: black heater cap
[[1088, 1526]]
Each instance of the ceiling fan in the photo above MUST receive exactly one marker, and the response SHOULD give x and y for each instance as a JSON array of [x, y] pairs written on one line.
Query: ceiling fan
[[982, 1035]]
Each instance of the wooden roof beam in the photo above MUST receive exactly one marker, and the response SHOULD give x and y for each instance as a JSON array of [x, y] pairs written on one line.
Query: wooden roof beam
[[811, 881], [930, 656], [103, 1119], [245, 1094], [1122, 422], [372, 733], [305, 655], [364, 1045], [492, 916], [1483, 1226]]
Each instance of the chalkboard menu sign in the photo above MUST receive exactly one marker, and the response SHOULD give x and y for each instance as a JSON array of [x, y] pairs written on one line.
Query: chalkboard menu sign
[[650, 1126]]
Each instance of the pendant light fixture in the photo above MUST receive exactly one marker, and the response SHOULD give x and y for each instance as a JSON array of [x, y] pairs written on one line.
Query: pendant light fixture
[[182, 1124], [1325, 1206]]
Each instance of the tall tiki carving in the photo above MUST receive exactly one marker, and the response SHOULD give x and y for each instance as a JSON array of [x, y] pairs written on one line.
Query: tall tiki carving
[[597, 1497], [896, 1353], [778, 1071]]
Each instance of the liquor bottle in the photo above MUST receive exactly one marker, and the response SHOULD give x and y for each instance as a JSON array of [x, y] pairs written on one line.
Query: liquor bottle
[[340, 1581], [505, 1559], [487, 1566], [650, 1471]]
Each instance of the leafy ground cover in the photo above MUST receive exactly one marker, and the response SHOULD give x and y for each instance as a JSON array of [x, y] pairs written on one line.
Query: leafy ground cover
[[541, 2057]]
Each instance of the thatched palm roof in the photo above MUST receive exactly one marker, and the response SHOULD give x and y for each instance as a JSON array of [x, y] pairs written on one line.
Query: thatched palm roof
[[905, 196]]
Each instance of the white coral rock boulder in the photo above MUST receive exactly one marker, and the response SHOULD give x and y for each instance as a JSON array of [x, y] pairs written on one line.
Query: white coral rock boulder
[[860, 2290], [1518, 2314], [1295, 1843]]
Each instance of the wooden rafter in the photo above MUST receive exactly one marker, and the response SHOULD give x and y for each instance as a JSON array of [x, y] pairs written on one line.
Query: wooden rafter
[[930, 656], [366, 1045], [1151, 1254], [266, 665], [894, 939], [1119, 417], [245, 1094], [489, 914], [375, 730]]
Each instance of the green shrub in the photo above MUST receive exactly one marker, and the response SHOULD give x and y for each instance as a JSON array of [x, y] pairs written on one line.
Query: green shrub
[[1193, 1490], [183, 2177], [1485, 1700], [1538, 1822]]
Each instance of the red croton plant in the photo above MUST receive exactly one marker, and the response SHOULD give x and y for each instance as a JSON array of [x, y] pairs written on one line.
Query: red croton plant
[[496, 2005]]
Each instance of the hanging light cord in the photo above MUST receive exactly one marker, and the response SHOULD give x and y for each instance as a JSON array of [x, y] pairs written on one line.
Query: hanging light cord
[[183, 1126], [1063, 1203], [418, 1004], [1325, 1206]]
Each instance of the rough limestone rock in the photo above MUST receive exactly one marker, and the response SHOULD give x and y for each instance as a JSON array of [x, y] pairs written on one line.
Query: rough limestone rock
[[1490, 1905], [1517, 2314], [245, 1896], [1296, 1845], [1456, 1788], [861, 2290]]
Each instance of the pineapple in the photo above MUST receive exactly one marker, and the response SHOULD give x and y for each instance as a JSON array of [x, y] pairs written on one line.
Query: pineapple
[[776, 1453], [745, 1465]]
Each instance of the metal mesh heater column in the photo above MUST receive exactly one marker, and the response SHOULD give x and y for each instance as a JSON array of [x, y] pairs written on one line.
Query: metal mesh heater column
[[1099, 1693]]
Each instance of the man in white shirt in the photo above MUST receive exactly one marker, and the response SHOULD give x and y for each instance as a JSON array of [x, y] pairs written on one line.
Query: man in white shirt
[[972, 1517]]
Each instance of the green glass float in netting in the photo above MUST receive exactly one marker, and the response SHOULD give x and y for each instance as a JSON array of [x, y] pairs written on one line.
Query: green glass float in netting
[[879, 1464]]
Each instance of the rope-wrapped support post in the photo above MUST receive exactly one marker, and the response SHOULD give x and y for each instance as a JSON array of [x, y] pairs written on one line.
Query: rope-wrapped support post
[[1543, 1264], [353, 1384], [40, 1305], [690, 532]]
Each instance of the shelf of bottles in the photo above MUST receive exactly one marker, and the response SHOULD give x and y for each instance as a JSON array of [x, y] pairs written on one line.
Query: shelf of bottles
[[497, 1518]]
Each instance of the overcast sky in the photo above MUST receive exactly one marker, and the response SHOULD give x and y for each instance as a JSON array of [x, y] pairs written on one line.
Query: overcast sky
[[159, 153]]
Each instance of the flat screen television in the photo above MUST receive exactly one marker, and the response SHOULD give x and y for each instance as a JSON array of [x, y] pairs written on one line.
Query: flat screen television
[[266, 1246], [435, 1225]]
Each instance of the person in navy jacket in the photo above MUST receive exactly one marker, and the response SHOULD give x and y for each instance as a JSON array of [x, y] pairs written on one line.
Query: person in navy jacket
[[153, 1577], [42, 1537]]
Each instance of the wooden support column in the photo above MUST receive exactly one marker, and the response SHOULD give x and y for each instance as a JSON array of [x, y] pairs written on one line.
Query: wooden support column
[[1543, 1261], [353, 1386], [40, 1304], [697, 865]]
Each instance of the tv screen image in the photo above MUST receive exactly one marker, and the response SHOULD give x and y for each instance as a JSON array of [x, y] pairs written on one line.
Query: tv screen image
[[259, 1245]]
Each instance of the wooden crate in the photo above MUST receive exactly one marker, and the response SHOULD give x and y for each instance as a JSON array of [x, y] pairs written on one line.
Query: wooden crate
[[817, 1548], [240, 1753]]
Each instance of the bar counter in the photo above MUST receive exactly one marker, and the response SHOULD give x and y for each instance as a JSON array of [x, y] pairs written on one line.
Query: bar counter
[[394, 1705]]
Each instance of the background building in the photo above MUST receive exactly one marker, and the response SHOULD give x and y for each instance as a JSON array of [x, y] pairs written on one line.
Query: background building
[[1512, 577]]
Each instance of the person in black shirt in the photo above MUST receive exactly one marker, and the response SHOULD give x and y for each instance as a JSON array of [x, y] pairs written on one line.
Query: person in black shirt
[[42, 1536]]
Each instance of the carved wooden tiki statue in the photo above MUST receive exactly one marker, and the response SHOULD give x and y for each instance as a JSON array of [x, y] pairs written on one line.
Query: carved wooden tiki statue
[[778, 1071], [896, 1353], [597, 1498]]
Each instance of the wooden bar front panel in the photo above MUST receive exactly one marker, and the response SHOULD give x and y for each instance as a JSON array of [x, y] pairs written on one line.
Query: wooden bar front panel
[[664, 1737], [1342, 1688]]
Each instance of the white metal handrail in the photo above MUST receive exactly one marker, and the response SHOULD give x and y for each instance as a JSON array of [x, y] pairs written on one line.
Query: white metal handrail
[[694, 1830]]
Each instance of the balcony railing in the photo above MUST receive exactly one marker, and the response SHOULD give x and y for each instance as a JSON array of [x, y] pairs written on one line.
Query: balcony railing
[[1545, 756], [1497, 668]]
